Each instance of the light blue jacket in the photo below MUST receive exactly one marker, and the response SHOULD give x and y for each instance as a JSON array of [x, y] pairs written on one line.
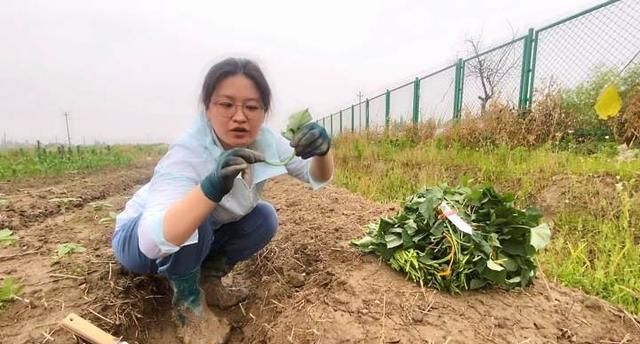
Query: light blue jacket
[[191, 158]]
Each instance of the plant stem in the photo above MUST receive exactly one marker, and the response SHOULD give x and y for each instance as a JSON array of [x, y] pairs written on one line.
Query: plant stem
[[281, 163]]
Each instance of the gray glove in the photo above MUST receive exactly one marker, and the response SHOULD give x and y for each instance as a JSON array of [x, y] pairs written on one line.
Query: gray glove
[[230, 163], [311, 140]]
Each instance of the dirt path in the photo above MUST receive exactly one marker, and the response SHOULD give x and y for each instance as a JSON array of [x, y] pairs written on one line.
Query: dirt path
[[308, 285]]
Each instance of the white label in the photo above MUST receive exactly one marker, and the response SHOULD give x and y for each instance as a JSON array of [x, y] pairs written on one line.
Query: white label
[[454, 218]]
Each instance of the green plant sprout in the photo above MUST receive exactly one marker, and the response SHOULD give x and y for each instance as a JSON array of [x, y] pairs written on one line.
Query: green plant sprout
[[296, 122], [109, 219], [7, 238], [9, 291], [68, 249], [64, 204], [99, 205]]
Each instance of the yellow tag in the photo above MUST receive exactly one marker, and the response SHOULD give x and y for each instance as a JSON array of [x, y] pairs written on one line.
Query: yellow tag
[[609, 102]]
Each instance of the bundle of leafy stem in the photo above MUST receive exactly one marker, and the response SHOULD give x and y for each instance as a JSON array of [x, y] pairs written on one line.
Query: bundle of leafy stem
[[423, 243], [296, 121]]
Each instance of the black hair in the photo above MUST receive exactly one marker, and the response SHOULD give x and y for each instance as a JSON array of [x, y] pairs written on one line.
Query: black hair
[[234, 66]]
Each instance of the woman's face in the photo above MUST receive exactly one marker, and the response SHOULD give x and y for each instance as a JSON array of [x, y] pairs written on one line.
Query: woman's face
[[236, 111]]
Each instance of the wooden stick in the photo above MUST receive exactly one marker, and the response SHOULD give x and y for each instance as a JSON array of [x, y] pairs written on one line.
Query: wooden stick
[[83, 328]]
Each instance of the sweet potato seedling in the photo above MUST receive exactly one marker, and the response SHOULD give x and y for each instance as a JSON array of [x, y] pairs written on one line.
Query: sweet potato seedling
[[439, 249], [296, 122], [68, 249], [9, 291], [7, 238], [64, 204]]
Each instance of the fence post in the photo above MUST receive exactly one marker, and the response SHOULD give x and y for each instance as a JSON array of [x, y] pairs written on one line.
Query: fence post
[[340, 122], [416, 101], [524, 101], [331, 122], [532, 74], [360, 116], [353, 125], [387, 109], [366, 114], [458, 89]]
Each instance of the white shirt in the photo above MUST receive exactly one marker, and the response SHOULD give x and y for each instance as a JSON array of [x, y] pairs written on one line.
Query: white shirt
[[189, 160]]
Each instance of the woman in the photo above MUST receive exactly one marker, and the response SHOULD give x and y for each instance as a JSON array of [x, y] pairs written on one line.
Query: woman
[[201, 213]]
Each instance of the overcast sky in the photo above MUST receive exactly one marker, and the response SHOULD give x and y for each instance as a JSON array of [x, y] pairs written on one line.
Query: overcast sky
[[130, 71]]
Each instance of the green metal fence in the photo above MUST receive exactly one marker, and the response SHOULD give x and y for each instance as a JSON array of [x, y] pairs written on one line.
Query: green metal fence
[[493, 75], [575, 49], [561, 55], [436, 95]]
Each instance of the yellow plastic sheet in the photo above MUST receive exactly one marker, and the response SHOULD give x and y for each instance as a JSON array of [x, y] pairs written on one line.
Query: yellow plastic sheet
[[609, 102]]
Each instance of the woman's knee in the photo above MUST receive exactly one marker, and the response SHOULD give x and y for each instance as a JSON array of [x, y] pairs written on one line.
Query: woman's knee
[[269, 224], [124, 243]]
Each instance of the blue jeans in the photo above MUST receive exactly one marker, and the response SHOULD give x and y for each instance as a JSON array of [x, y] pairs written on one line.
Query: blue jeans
[[235, 241]]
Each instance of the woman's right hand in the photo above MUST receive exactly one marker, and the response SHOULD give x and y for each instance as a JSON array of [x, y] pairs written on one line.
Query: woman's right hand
[[230, 163]]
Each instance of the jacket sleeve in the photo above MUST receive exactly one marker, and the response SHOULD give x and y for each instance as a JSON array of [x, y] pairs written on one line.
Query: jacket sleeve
[[177, 173]]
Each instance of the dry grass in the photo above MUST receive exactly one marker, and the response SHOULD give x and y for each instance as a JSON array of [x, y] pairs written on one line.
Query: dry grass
[[130, 305], [398, 131], [626, 127], [503, 125]]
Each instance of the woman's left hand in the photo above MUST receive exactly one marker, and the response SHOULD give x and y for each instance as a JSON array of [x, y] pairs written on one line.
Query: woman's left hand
[[311, 140]]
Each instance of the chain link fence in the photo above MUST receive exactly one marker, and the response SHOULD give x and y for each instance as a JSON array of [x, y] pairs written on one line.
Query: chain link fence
[[493, 76], [577, 49], [436, 97], [401, 103], [562, 55], [377, 112]]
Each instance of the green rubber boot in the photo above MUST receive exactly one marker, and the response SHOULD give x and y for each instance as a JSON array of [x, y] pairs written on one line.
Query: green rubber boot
[[217, 294], [197, 324]]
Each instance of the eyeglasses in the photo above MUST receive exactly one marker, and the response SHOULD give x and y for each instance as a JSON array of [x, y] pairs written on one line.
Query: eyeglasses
[[228, 109]]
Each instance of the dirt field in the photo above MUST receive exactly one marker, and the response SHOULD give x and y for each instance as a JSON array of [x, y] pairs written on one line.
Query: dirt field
[[308, 285]]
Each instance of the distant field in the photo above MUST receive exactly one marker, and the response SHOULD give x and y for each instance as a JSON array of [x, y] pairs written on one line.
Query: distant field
[[40, 161]]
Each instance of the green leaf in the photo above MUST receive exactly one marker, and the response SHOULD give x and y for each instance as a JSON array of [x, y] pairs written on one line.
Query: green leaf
[[69, 248], [492, 240], [438, 228], [494, 265], [514, 247], [396, 230], [540, 236], [392, 240], [9, 290], [407, 241], [475, 195], [509, 264], [477, 283], [365, 243], [417, 243], [105, 221], [7, 237], [514, 280], [410, 226], [497, 277], [296, 121], [99, 205]]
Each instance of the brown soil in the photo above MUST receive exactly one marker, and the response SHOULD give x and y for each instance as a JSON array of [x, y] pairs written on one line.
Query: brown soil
[[593, 194], [307, 286]]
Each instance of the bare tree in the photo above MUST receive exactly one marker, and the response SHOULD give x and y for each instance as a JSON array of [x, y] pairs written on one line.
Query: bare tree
[[491, 69]]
